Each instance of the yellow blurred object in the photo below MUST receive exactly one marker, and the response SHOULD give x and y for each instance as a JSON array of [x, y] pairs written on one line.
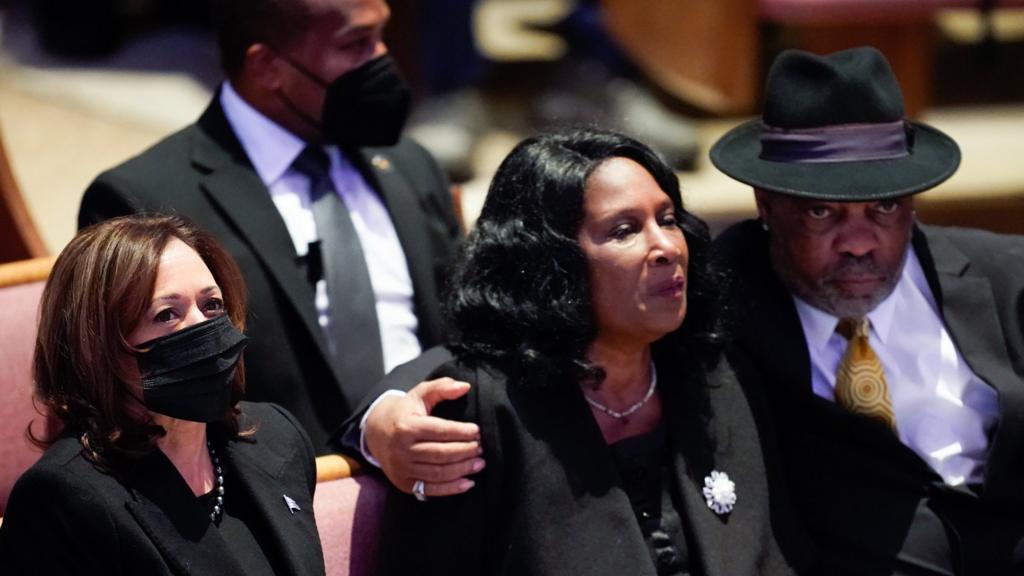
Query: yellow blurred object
[[335, 466]]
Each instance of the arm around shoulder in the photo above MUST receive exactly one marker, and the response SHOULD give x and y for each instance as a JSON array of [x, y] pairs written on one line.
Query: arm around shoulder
[[402, 378], [443, 535]]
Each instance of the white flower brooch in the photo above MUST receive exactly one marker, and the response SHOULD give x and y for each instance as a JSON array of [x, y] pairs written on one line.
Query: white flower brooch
[[719, 492]]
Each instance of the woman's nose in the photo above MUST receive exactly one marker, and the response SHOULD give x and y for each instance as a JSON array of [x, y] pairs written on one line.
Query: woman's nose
[[666, 246], [194, 316]]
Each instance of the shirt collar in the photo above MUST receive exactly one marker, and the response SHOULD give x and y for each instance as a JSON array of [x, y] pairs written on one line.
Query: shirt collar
[[819, 326], [270, 147]]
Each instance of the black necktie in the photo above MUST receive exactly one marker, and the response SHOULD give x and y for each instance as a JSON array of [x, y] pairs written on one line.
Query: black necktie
[[353, 333]]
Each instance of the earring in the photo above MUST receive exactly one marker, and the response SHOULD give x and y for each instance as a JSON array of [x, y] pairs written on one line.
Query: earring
[[764, 225]]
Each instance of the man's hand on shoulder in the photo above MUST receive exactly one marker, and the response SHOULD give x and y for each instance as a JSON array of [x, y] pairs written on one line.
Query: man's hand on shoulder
[[412, 445]]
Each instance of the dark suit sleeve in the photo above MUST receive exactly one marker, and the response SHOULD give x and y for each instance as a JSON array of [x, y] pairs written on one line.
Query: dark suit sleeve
[[403, 378], [56, 523], [442, 535], [107, 197], [420, 162]]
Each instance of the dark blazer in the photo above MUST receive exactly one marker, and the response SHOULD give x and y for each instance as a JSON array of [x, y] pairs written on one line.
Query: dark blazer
[[550, 500], [858, 487], [65, 516], [203, 173]]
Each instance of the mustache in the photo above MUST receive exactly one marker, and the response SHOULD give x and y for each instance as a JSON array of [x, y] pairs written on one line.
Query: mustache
[[850, 265]]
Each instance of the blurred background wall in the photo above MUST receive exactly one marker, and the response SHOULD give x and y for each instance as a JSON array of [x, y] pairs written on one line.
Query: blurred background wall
[[86, 84]]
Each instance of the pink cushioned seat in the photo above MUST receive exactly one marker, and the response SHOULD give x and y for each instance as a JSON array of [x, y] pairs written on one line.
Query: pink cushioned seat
[[348, 514], [18, 322]]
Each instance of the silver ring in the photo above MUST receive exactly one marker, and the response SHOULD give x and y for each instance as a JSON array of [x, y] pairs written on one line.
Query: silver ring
[[418, 490]]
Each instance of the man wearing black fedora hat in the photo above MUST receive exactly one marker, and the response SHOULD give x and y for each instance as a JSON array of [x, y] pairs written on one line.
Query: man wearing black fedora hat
[[892, 352]]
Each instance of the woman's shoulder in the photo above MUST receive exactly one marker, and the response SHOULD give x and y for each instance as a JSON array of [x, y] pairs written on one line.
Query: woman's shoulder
[[63, 516], [487, 388], [264, 414], [267, 423], [271, 439], [65, 459], [61, 477]]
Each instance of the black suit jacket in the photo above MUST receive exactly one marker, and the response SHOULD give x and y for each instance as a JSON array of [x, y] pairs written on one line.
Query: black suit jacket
[[550, 500], [858, 487], [203, 173], [65, 516]]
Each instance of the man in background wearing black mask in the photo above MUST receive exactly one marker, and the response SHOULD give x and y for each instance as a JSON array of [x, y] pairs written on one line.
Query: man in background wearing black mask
[[341, 226]]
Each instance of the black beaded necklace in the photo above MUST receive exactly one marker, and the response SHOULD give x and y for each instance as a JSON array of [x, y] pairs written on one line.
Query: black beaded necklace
[[218, 507]]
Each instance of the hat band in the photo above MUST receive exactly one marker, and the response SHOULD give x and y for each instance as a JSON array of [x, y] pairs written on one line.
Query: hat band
[[835, 143]]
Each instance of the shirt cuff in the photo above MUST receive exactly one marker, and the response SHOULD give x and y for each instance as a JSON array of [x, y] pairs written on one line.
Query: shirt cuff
[[362, 426]]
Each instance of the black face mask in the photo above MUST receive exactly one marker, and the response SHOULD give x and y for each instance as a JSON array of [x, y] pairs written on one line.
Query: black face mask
[[366, 106], [187, 374]]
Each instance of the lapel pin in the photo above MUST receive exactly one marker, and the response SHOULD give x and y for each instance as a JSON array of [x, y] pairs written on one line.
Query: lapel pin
[[292, 506], [719, 492], [381, 162]]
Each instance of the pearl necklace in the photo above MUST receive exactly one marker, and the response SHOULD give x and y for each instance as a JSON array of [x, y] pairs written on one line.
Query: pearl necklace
[[632, 409], [218, 508]]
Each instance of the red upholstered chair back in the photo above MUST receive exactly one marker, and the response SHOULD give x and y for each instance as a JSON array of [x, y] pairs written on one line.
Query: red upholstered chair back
[[348, 514], [21, 285]]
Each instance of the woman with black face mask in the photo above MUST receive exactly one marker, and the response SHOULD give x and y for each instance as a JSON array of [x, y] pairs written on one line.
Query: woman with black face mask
[[158, 467]]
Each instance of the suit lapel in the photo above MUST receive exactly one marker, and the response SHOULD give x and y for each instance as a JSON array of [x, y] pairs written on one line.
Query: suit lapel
[[168, 513], [970, 313], [232, 185], [769, 328], [258, 473], [407, 215]]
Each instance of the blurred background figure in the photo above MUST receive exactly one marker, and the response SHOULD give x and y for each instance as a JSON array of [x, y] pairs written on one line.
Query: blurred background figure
[[583, 79], [556, 64], [91, 108]]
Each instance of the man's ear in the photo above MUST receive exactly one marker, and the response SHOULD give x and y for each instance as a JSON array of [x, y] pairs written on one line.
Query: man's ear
[[262, 66]]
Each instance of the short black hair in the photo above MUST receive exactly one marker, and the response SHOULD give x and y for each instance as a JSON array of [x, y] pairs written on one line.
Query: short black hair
[[519, 296], [242, 23]]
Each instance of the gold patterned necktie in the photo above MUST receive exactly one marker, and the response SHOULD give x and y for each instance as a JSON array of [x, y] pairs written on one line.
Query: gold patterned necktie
[[860, 381]]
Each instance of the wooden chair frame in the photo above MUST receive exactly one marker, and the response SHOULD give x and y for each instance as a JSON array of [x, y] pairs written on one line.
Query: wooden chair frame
[[19, 238]]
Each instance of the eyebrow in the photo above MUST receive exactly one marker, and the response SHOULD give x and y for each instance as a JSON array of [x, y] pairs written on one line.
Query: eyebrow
[[351, 28], [630, 210], [176, 296]]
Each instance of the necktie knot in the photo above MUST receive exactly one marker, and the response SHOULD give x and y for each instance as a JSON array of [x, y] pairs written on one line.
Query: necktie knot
[[851, 328], [312, 162]]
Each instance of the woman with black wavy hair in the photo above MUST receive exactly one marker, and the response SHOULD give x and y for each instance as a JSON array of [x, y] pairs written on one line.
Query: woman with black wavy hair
[[584, 311]]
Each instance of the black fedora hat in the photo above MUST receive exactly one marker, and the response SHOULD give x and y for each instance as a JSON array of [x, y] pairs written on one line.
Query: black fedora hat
[[833, 128]]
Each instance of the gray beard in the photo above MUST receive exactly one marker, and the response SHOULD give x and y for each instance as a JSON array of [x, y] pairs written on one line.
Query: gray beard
[[824, 295]]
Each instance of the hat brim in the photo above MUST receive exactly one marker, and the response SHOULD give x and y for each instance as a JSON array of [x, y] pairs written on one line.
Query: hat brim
[[935, 157]]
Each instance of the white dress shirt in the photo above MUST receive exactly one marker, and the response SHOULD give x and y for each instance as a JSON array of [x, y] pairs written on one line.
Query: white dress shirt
[[944, 412], [272, 149]]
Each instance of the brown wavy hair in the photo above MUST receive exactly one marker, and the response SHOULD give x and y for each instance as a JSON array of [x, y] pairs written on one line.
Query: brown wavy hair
[[99, 288]]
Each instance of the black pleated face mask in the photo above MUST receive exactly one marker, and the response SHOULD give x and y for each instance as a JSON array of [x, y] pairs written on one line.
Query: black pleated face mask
[[367, 106], [187, 374]]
